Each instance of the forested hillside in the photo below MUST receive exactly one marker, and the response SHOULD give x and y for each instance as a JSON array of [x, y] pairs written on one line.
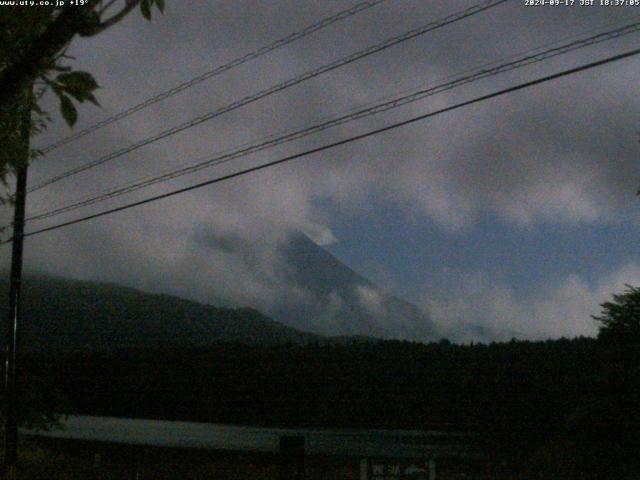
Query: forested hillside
[[60, 314], [562, 402], [530, 389]]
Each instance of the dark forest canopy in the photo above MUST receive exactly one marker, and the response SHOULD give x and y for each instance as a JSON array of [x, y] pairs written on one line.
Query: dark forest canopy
[[384, 384], [559, 399], [581, 393]]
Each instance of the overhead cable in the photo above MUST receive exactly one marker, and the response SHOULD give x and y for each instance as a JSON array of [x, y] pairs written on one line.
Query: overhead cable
[[366, 112], [345, 141], [325, 22], [455, 17]]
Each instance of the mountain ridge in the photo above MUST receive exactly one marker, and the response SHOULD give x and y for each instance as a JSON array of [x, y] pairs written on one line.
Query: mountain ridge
[[345, 302], [66, 314]]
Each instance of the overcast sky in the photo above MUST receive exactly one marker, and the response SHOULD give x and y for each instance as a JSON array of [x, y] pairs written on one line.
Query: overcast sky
[[518, 213]]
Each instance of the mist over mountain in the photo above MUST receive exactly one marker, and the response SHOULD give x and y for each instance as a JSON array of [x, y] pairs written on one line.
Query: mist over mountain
[[336, 305], [342, 302]]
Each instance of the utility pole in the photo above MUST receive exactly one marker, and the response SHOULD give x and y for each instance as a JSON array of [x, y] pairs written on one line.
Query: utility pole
[[11, 401]]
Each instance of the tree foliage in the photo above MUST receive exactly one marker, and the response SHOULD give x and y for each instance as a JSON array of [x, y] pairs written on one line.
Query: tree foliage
[[620, 318], [33, 43], [519, 396], [563, 408]]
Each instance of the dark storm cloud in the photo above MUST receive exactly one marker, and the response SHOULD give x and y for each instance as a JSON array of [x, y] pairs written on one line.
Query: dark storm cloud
[[563, 153]]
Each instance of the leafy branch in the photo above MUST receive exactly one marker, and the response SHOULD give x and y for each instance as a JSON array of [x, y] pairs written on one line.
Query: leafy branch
[[33, 43]]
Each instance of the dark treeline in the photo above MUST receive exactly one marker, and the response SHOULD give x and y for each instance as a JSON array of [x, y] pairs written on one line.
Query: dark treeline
[[536, 386], [565, 398], [385, 384]]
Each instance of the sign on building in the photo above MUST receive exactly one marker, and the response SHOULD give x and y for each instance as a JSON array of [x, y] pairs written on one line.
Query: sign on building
[[390, 469]]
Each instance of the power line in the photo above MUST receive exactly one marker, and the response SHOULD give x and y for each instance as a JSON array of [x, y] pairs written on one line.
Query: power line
[[61, 208], [345, 141], [478, 8], [325, 22], [344, 119], [375, 109]]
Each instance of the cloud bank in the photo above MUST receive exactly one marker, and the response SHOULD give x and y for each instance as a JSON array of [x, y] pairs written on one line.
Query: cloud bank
[[563, 309], [562, 154]]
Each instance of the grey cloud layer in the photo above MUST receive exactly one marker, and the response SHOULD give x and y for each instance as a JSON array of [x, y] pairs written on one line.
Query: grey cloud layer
[[564, 152]]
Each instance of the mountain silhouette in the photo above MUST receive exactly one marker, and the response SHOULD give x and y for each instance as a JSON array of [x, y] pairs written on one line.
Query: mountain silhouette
[[342, 302], [67, 314]]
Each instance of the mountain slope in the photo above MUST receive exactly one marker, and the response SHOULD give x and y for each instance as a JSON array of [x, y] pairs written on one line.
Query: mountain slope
[[70, 314], [339, 303], [343, 302]]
